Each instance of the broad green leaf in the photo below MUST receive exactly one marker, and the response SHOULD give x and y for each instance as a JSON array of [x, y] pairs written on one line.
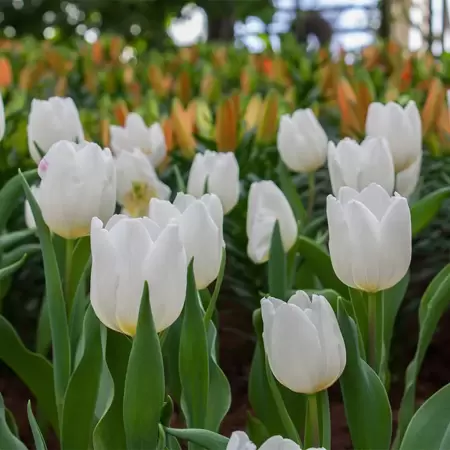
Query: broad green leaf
[[424, 211], [43, 332], [320, 263], [109, 432], [204, 438], [56, 305], [10, 194], [19, 253], [434, 303], [277, 266], [11, 421], [80, 259], [171, 351], [7, 439], [39, 441], [219, 393], [81, 394], [144, 383], [256, 430], [172, 443], [9, 270], [13, 238], [194, 347], [366, 402], [429, 428], [33, 369]]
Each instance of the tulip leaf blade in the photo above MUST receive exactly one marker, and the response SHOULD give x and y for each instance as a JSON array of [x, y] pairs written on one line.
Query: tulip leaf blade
[[429, 427], [193, 347], [433, 304], [319, 261], [82, 390], [39, 441], [277, 265], [33, 369], [424, 211], [204, 438], [9, 270], [144, 391], [7, 438], [366, 403], [57, 308], [109, 432]]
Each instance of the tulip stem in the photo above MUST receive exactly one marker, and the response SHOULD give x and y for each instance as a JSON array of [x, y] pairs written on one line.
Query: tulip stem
[[311, 194], [312, 429], [372, 330], [67, 274], [212, 303]]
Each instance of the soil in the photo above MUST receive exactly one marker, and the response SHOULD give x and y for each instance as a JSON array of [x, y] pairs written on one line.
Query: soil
[[235, 356]]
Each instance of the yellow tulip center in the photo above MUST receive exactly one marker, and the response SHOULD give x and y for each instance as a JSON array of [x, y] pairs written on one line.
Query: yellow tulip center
[[137, 199]]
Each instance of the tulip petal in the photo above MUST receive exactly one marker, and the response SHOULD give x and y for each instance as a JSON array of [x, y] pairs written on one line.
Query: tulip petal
[[300, 299], [197, 177], [376, 199], [162, 212], [407, 180], [278, 443]]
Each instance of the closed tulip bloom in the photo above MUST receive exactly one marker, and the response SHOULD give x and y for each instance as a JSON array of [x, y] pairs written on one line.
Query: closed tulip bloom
[[302, 142], [137, 183], [2, 118], [51, 121], [29, 218], [303, 342], [240, 441], [218, 173], [370, 237], [358, 165], [78, 182], [126, 253], [267, 205], [406, 181], [201, 231], [136, 134], [401, 127]]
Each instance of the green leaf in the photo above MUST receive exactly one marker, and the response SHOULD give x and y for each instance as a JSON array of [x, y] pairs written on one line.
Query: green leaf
[[256, 430], [429, 428], [81, 394], [204, 438], [171, 351], [56, 305], [109, 432], [19, 253], [10, 194], [7, 271], [43, 333], [277, 266], [13, 238], [366, 402], [144, 384], [290, 191], [172, 443], [33, 369], [219, 393], [424, 211], [434, 303], [7, 439], [194, 347], [80, 259], [319, 261], [39, 441]]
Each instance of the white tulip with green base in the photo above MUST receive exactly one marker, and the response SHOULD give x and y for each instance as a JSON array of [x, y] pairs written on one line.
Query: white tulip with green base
[[240, 441]]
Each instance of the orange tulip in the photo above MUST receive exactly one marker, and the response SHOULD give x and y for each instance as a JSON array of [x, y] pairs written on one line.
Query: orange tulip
[[268, 122], [6, 75], [183, 129]]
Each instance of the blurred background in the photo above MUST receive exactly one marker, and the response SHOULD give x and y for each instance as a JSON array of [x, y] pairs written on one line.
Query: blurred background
[[255, 24]]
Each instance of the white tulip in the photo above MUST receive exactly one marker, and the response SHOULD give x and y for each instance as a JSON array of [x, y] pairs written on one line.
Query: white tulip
[[406, 181], [267, 205], [303, 342], [370, 237], [136, 134], [401, 127], [358, 165], [125, 254], [2, 118], [29, 218], [201, 231], [302, 142], [137, 183], [218, 173], [240, 441], [78, 182], [51, 121]]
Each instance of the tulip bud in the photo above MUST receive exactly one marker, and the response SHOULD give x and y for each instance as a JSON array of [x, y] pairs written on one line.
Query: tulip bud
[[201, 231], [125, 254], [268, 120], [218, 173], [253, 112], [135, 134], [6, 73], [302, 142], [183, 129], [407, 180], [303, 342], [267, 205], [137, 183], [227, 126], [51, 121], [357, 166], [29, 218], [402, 129], [370, 237], [78, 182], [240, 441], [2, 118]]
